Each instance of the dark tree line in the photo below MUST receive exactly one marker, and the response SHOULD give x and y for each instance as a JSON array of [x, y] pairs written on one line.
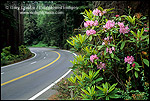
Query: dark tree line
[[11, 27]]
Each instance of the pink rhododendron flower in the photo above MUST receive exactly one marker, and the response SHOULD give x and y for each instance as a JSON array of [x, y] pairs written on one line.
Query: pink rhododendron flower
[[129, 59], [104, 12], [90, 32], [109, 24], [107, 39], [124, 29], [111, 37], [107, 50], [133, 65], [93, 57], [117, 15], [96, 23], [146, 30], [113, 48], [96, 12], [85, 24], [110, 50], [121, 24], [103, 43], [90, 23], [101, 66]]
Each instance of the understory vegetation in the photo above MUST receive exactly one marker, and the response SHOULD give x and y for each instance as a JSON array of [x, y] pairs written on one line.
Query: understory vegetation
[[52, 29], [8, 58], [113, 61]]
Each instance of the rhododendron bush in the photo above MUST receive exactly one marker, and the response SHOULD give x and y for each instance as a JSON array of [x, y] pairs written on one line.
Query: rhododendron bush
[[114, 57]]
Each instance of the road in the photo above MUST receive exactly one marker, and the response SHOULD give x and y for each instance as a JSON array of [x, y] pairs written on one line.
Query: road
[[23, 80]]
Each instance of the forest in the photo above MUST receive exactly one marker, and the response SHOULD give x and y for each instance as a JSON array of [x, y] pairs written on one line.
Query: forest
[[111, 38]]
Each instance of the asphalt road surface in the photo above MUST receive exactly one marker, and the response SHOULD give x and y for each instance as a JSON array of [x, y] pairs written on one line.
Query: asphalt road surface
[[23, 80]]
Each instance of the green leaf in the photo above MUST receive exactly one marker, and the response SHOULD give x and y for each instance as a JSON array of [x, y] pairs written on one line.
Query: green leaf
[[128, 66], [112, 55], [107, 97], [136, 74], [138, 34], [71, 86], [99, 79], [85, 91], [143, 37], [87, 13], [122, 45], [112, 87], [112, 45], [146, 62], [110, 9], [100, 88], [90, 37], [142, 31], [133, 33], [84, 96], [96, 73], [100, 8], [115, 57], [99, 47], [137, 69], [104, 52]]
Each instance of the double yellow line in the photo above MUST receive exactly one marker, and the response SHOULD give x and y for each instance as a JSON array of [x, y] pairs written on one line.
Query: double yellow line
[[32, 71]]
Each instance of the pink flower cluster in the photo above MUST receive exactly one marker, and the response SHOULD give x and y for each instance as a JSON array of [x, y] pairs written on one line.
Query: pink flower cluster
[[93, 57], [110, 50], [129, 59], [101, 66], [117, 15], [91, 23], [123, 29], [107, 40], [97, 12], [90, 32], [109, 24]]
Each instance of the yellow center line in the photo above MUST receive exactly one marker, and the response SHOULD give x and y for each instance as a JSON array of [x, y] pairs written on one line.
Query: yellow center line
[[32, 71]]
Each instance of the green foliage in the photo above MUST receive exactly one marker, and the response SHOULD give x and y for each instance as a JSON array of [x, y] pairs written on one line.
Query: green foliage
[[146, 62], [105, 55], [84, 81], [53, 29], [8, 58], [90, 93], [136, 68], [40, 44], [108, 91], [78, 42]]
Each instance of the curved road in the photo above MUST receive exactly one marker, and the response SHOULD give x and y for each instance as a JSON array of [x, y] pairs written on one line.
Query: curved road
[[23, 80]]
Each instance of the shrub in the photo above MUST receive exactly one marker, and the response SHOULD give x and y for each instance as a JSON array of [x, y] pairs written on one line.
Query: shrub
[[116, 47], [8, 58]]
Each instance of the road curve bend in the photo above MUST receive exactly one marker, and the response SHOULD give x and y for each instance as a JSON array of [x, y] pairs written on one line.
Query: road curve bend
[[23, 80]]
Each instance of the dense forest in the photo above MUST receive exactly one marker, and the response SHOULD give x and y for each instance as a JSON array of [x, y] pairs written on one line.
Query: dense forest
[[56, 25], [51, 22]]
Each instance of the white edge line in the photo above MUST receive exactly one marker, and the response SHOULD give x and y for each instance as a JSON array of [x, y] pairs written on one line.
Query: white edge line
[[33, 62], [2, 73], [45, 89], [21, 61]]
